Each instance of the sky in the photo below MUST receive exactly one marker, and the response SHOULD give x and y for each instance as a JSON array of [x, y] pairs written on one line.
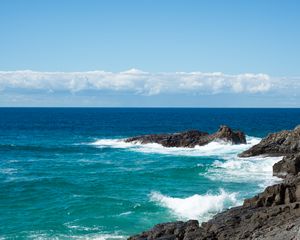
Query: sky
[[150, 53]]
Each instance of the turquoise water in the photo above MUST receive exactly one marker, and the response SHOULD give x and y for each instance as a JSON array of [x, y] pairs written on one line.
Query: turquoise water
[[65, 173]]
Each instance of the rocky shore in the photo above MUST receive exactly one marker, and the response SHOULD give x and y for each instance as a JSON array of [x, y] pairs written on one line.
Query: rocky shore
[[272, 214], [191, 138]]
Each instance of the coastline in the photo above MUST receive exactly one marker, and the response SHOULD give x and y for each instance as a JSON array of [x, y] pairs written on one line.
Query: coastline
[[271, 214]]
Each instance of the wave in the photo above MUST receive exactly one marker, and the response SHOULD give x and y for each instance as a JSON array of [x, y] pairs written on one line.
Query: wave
[[200, 207], [125, 213], [253, 169], [98, 236], [8, 171], [215, 148], [227, 167]]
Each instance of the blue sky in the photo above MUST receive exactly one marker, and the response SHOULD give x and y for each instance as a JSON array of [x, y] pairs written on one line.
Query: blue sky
[[150, 53]]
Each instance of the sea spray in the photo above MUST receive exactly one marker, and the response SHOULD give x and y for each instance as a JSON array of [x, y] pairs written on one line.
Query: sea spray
[[237, 170], [199, 207]]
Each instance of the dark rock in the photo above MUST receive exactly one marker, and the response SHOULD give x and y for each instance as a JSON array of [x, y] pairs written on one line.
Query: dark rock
[[273, 214], [281, 143], [191, 138], [278, 194], [289, 165], [171, 230]]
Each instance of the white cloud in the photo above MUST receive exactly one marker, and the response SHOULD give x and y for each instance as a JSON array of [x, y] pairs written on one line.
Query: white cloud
[[136, 81]]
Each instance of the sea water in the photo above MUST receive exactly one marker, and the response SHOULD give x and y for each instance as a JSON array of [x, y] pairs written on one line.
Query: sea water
[[67, 173]]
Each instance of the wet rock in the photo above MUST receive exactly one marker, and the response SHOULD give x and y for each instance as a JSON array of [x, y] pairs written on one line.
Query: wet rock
[[191, 138], [171, 230], [281, 143], [280, 220], [273, 214], [289, 165]]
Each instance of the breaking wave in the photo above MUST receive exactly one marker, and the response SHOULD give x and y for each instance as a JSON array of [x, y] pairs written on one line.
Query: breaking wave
[[216, 148], [252, 169], [200, 207], [227, 166]]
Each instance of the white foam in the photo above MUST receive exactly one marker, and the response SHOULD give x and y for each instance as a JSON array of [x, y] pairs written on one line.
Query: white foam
[[228, 167], [107, 237], [215, 148], [112, 143], [99, 236], [125, 213], [8, 171], [83, 228], [200, 207], [252, 169]]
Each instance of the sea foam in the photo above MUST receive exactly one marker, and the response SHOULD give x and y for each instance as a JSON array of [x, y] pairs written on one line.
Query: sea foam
[[227, 167], [216, 148], [253, 169], [200, 207], [42, 236]]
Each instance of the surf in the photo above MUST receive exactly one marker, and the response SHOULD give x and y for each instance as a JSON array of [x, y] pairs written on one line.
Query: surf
[[200, 207], [215, 148]]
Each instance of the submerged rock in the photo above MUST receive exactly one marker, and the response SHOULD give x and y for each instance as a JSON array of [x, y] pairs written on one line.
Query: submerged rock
[[191, 138], [280, 143]]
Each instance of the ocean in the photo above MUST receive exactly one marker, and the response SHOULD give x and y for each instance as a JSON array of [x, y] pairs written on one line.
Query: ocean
[[65, 173]]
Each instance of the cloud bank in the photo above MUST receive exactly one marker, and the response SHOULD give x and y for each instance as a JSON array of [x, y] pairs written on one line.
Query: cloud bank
[[136, 81]]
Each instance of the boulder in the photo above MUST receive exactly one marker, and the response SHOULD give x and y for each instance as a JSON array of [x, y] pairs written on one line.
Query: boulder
[[171, 230], [289, 165], [228, 135]]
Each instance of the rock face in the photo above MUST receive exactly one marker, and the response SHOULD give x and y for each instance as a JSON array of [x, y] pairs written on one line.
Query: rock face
[[281, 143], [289, 165], [191, 138], [273, 214]]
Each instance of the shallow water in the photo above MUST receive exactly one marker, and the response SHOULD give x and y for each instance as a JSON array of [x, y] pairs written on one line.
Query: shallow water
[[66, 173]]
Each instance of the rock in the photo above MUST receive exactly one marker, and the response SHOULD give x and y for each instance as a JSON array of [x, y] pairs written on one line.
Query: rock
[[273, 214], [289, 165], [226, 134], [191, 138], [281, 143], [278, 194], [171, 230]]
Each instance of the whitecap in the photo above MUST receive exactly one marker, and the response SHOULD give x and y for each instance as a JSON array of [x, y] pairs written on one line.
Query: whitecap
[[112, 143], [100, 236], [83, 228], [8, 171], [125, 213], [200, 207]]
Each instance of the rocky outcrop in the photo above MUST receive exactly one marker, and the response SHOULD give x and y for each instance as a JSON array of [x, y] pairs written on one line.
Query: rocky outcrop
[[171, 230], [276, 223], [289, 165], [281, 143], [191, 138], [278, 194], [273, 214]]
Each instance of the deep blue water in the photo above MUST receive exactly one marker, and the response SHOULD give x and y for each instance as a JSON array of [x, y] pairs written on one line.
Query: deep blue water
[[64, 172]]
